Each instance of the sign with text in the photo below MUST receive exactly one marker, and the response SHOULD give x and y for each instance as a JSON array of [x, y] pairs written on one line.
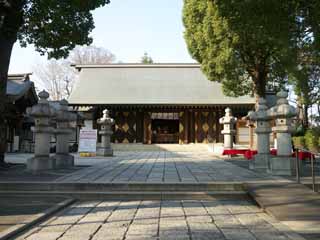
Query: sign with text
[[88, 140]]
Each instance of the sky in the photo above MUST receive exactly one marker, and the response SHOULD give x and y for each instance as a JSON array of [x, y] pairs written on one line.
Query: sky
[[127, 28]]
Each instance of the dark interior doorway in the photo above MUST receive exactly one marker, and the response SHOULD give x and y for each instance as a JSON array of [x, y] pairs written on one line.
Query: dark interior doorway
[[165, 130]]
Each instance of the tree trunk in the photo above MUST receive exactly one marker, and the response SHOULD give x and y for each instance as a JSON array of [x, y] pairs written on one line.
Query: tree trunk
[[305, 116], [259, 76], [5, 55]]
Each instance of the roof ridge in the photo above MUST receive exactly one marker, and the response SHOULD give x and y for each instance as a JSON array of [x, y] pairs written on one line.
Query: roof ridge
[[138, 65]]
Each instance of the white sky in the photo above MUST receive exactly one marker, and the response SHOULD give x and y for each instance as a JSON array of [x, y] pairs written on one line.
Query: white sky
[[128, 29]]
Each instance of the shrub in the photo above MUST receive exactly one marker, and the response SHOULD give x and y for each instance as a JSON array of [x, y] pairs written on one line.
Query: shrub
[[299, 131], [312, 139], [299, 142]]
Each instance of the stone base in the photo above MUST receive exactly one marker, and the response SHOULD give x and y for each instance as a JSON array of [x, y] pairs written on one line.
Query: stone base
[[282, 166], [260, 162], [105, 152], [40, 164], [64, 160]]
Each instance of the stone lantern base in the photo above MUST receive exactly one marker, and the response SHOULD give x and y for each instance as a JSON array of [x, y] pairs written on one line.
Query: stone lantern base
[[282, 166], [104, 152], [260, 162], [63, 160], [40, 163]]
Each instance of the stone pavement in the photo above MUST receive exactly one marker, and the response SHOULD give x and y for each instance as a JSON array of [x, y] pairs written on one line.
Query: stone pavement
[[215, 219], [18, 211], [291, 203], [164, 166]]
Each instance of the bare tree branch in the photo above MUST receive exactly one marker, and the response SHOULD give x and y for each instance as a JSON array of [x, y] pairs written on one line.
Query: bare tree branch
[[58, 77]]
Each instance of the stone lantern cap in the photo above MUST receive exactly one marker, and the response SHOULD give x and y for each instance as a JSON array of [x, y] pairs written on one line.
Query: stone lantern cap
[[228, 118], [106, 119], [262, 111], [42, 109], [63, 114], [282, 109]]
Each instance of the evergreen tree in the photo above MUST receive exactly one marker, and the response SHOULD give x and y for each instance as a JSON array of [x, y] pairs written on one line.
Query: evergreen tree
[[247, 44], [54, 27], [146, 59]]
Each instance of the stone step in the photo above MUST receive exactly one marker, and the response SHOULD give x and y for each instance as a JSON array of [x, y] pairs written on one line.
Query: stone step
[[123, 187], [133, 195]]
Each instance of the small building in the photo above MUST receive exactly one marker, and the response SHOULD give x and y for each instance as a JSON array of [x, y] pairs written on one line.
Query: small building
[[21, 95], [157, 103]]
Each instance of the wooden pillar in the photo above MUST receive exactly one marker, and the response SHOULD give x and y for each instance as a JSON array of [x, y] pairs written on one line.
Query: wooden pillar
[[211, 123], [186, 126], [251, 136], [191, 127], [147, 132], [219, 114], [139, 126]]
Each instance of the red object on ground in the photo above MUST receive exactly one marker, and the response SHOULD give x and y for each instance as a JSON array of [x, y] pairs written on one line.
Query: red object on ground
[[303, 155], [273, 152], [248, 154], [234, 151]]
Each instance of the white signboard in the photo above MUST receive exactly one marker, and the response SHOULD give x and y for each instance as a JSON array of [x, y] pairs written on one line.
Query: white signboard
[[88, 140]]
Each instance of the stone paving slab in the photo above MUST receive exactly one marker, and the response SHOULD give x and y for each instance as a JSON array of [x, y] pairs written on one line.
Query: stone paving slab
[[144, 219], [156, 167], [18, 172], [18, 212], [155, 163], [291, 203]]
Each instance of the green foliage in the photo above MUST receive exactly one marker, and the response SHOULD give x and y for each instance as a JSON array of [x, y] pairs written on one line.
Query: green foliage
[[146, 59], [312, 139], [299, 142], [53, 26], [299, 130], [245, 44]]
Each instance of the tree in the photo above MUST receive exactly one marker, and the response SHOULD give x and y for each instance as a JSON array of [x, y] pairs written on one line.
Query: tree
[[243, 44], [91, 55], [146, 59], [306, 82], [53, 27], [58, 77]]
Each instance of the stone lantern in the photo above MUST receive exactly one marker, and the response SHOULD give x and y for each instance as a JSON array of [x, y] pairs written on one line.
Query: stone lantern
[[64, 119], [263, 130], [228, 131], [105, 122], [42, 113], [283, 113]]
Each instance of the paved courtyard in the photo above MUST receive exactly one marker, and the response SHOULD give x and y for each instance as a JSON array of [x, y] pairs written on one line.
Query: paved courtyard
[[163, 166], [214, 219], [148, 163], [160, 218]]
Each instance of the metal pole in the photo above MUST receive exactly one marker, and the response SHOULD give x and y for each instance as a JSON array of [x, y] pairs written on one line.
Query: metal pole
[[313, 175], [297, 166]]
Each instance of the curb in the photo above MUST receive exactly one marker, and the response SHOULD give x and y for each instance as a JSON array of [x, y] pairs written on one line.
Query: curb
[[134, 195], [15, 230], [121, 186]]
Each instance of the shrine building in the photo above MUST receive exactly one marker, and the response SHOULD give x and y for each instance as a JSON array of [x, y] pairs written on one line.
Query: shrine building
[[21, 94], [157, 103]]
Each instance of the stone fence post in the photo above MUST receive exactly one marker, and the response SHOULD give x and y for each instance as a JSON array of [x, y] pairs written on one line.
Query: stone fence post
[[105, 122], [228, 131], [63, 119], [42, 113]]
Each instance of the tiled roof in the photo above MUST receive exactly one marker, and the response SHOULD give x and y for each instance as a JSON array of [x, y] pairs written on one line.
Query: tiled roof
[[149, 84]]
